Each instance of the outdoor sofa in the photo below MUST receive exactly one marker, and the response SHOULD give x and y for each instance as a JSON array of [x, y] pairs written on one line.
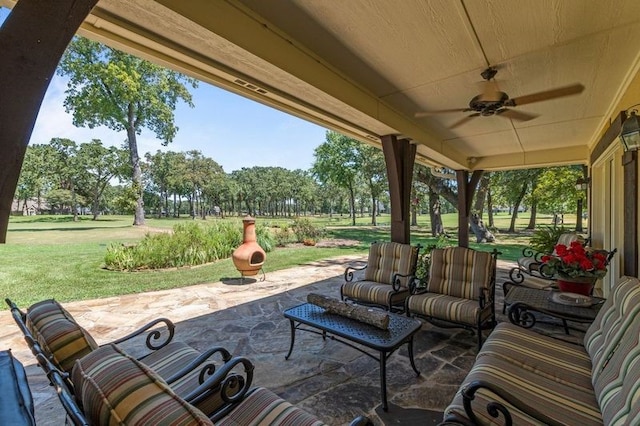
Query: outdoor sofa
[[526, 378]]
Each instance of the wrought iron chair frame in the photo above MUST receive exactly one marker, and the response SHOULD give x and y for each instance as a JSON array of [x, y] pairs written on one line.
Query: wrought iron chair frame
[[349, 275], [486, 301]]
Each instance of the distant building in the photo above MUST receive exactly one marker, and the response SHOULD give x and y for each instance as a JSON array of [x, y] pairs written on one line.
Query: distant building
[[30, 208]]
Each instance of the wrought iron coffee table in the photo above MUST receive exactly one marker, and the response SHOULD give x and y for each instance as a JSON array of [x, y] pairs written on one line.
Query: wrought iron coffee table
[[349, 331], [523, 301]]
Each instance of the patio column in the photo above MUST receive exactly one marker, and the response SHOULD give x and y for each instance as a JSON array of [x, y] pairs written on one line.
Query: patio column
[[399, 156], [630, 252], [466, 191], [32, 41]]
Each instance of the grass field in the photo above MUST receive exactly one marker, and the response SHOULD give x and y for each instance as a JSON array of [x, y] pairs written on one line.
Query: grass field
[[54, 257]]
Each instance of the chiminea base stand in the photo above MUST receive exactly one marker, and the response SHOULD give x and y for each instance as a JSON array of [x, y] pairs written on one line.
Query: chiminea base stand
[[261, 279]]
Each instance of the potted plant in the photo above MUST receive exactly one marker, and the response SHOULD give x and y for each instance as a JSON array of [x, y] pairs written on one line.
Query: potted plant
[[575, 267]]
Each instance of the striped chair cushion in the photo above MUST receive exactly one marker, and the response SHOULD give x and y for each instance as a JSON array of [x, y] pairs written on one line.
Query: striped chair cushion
[[372, 292], [58, 333], [262, 407], [613, 320], [554, 359], [569, 237], [616, 369], [565, 404], [115, 388], [460, 272], [387, 259], [445, 307]]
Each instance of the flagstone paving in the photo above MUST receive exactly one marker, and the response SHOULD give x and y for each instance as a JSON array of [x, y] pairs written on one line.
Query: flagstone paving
[[326, 378]]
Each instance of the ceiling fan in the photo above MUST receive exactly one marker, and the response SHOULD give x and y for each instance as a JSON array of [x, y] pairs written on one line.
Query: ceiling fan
[[494, 102]]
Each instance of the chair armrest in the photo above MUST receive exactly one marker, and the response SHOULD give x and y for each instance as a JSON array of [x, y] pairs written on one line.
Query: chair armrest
[[348, 272], [496, 409], [223, 382], [207, 370], [396, 283], [154, 335]]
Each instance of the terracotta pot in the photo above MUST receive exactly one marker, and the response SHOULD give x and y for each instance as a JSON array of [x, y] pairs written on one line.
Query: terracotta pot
[[579, 285], [249, 257]]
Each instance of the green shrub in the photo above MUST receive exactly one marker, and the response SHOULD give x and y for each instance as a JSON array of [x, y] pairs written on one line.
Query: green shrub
[[544, 239], [189, 244], [284, 236], [304, 229], [424, 259]]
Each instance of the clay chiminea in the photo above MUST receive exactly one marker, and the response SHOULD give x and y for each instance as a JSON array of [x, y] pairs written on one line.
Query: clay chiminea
[[249, 257]]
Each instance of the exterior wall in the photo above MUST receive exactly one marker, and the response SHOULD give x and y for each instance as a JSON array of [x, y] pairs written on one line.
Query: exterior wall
[[606, 214]]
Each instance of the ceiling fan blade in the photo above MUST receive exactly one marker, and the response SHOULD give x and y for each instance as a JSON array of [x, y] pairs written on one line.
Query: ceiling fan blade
[[516, 115], [574, 89], [440, 111], [464, 120]]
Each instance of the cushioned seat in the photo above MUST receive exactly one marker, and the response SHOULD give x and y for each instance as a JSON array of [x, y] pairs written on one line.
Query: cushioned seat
[[460, 290], [389, 271]]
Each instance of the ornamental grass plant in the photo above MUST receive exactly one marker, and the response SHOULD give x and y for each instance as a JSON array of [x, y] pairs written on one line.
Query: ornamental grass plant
[[189, 244]]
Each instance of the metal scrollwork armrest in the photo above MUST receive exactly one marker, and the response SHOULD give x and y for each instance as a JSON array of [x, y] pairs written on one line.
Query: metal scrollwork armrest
[[227, 382], [155, 339], [348, 273], [495, 408], [207, 370], [397, 282]]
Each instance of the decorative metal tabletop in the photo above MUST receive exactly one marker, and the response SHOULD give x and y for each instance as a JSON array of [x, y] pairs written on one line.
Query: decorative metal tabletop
[[400, 327]]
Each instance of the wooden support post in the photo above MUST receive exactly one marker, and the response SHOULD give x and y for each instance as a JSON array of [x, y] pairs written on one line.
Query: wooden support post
[[32, 41], [630, 253], [399, 156], [466, 191]]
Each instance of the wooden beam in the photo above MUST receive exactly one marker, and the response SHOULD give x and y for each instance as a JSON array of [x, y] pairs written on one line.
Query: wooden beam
[[462, 176], [609, 137], [32, 41], [399, 156], [630, 221]]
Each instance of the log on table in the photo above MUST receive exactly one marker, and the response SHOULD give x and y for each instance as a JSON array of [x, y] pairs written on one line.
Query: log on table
[[359, 313]]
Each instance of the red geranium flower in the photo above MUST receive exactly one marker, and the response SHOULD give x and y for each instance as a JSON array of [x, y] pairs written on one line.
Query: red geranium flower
[[575, 261]]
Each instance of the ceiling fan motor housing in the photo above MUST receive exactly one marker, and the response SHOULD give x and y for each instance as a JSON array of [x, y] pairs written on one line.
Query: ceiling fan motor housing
[[488, 106]]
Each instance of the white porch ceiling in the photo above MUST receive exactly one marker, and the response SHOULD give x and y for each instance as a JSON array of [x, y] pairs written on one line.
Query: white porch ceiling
[[365, 67]]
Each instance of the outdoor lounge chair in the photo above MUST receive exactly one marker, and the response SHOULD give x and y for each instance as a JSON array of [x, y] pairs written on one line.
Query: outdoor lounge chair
[[387, 274], [50, 331], [141, 397], [460, 290]]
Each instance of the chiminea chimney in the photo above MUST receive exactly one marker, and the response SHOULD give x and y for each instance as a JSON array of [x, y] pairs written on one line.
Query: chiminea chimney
[[249, 257]]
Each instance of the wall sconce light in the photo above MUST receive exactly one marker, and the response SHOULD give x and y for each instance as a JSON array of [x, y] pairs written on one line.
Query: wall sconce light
[[582, 184], [630, 132]]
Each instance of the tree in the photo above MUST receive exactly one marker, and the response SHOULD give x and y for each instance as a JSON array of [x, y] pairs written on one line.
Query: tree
[[100, 165], [114, 89], [337, 161], [374, 172], [36, 174], [67, 169]]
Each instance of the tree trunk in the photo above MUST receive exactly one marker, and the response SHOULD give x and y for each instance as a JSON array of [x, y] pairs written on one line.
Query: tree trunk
[[490, 208], [579, 216], [414, 214], [136, 177], [481, 195], [516, 207], [374, 211], [534, 213], [434, 214], [352, 205]]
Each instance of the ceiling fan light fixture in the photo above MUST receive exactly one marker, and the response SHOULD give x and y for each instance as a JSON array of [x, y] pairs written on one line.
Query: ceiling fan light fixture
[[630, 132]]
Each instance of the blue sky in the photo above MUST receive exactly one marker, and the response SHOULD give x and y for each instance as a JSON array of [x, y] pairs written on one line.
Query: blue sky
[[234, 131]]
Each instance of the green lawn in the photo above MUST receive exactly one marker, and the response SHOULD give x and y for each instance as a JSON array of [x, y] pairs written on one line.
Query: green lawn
[[54, 257]]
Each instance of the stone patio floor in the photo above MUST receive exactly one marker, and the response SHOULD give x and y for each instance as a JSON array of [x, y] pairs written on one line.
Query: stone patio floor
[[326, 378]]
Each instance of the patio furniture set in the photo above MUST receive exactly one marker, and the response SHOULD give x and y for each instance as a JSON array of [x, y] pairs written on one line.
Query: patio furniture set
[[519, 376]]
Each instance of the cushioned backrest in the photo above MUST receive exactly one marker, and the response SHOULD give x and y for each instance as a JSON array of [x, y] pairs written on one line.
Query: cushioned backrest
[[58, 333], [603, 336], [620, 354], [387, 259], [460, 272], [568, 238], [115, 388]]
